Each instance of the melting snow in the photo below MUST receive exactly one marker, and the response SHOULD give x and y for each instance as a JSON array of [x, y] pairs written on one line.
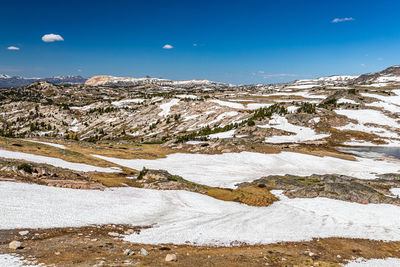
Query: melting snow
[[369, 116], [227, 134], [388, 262], [228, 169], [166, 107], [180, 216], [127, 101], [47, 143], [302, 134], [228, 104], [55, 162]]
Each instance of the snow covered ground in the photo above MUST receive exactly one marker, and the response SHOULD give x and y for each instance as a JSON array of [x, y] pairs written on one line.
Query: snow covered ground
[[395, 191], [369, 116], [388, 262], [166, 107], [13, 260], [301, 134], [55, 162], [382, 132], [47, 143], [346, 101], [227, 104], [228, 169], [124, 102], [227, 134], [180, 216]]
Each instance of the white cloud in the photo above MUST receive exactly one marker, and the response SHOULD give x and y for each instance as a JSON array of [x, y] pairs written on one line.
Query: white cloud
[[194, 44], [336, 20], [49, 38], [362, 65], [13, 48], [167, 46]]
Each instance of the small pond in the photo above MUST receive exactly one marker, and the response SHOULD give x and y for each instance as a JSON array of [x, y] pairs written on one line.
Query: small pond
[[373, 151]]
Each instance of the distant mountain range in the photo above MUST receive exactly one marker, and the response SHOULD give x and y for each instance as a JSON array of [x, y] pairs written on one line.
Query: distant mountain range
[[387, 77], [7, 81], [105, 80]]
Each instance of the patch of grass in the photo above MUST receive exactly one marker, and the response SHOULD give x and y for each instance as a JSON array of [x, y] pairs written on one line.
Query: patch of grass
[[25, 167]]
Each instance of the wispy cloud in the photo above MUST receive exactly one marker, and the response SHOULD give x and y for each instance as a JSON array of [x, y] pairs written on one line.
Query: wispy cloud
[[167, 46], [336, 20], [51, 37], [12, 48]]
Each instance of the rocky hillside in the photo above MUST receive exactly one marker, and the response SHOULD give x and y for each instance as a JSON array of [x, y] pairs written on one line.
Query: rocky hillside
[[389, 75]]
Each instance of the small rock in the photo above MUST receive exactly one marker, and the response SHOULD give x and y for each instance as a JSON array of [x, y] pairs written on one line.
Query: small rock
[[113, 234], [23, 232], [129, 252], [170, 257], [15, 245], [57, 253], [143, 252]]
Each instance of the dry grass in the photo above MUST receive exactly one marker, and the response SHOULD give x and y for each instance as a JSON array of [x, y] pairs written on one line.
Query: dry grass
[[252, 196]]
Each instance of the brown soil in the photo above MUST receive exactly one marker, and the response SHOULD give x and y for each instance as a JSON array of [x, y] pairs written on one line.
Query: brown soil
[[87, 246]]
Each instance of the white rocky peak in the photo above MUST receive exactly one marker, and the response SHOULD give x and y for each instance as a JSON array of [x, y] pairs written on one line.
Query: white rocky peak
[[110, 80]]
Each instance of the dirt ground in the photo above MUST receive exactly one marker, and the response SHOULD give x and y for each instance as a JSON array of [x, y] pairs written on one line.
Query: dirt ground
[[101, 246]]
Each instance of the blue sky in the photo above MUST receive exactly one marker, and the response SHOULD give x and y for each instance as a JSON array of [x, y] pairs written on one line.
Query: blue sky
[[230, 41]]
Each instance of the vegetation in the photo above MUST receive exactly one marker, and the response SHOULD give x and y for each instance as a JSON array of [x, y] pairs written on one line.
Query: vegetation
[[25, 167]]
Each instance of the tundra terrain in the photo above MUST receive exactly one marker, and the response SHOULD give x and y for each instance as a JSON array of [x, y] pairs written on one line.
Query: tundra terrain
[[153, 172]]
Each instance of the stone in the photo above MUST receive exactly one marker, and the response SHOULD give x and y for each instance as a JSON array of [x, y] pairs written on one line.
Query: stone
[[15, 245], [23, 232], [113, 234], [129, 252], [171, 257], [143, 252]]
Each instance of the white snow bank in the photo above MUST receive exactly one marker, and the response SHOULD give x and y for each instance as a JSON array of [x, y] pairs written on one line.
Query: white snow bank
[[166, 107], [228, 169], [220, 117], [124, 102], [180, 216], [368, 116], [301, 134], [382, 132], [253, 106], [47, 143], [388, 262], [14, 260], [222, 135], [227, 104], [395, 191], [55, 162], [187, 96]]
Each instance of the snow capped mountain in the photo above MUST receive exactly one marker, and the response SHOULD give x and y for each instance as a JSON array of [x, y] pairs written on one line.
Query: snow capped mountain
[[14, 81], [106, 80]]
